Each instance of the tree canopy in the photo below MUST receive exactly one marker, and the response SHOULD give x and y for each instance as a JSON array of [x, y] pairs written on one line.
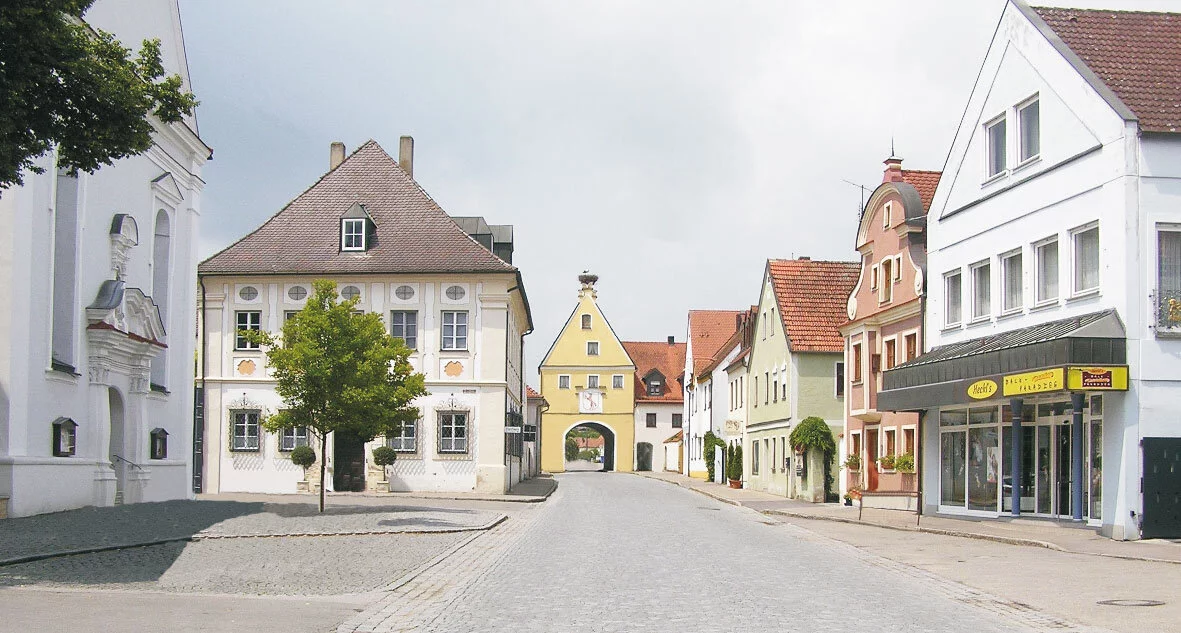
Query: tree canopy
[[64, 84], [339, 371]]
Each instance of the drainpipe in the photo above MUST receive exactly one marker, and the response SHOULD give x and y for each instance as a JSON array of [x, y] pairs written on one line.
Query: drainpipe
[[1017, 408], [204, 398], [1076, 445]]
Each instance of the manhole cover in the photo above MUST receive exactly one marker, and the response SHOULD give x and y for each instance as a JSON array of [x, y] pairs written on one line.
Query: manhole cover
[[1131, 603]]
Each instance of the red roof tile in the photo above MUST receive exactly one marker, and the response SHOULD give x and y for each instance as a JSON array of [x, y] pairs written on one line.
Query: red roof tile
[[676, 437], [414, 234], [531, 393], [669, 360], [708, 331], [924, 182], [812, 297], [1136, 53], [735, 340]]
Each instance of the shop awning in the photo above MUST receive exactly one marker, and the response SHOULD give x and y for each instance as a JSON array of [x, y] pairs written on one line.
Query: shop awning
[[1088, 352]]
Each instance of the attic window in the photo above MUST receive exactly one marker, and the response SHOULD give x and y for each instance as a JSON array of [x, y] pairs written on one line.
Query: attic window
[[586, 321], [352, 234], [655, 387]]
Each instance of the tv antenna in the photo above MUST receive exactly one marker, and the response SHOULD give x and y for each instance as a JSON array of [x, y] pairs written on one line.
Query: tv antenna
[[860, 207]]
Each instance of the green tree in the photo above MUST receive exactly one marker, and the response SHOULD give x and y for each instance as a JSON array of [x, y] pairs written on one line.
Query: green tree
[[67, 85], [571, 449], [338, 371]]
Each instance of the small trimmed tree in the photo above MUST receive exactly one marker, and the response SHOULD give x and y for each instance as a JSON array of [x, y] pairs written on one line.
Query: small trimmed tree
[[571, 449], [734, 464], [813, 433], [338, 371]]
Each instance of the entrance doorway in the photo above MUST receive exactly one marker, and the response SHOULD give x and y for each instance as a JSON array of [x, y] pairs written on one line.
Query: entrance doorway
[[117, 448], [1162, 487], [349, 454], [590, 446]]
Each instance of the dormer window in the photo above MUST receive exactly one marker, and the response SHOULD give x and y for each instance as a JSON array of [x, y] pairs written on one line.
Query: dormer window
[[655, 387], [352, 234]]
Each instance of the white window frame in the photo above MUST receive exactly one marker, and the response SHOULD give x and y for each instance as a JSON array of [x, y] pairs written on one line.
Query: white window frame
[[1021, 107], [987, 313], [1039, 300], [243, 442], [897, 268], [883, 445], [400, 441], [909, 449], [412, 340], [240, 342], [887, 210], [563, 381], [874, 275], [1075, 233], [903, 355], [890, 339], [453, 445], [589, 381], [1161, 303], [352, 228], [1006, 259], [886, 289], [290, 438], [596, 348], [990, 175], [617, 381], [450, 343], [958, 274]]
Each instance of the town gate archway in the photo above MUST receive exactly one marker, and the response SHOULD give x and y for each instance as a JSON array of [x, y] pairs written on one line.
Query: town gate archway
[[618, 438]]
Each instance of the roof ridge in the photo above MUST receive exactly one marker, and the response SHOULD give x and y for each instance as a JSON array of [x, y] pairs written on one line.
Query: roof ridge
[[1128, 11]]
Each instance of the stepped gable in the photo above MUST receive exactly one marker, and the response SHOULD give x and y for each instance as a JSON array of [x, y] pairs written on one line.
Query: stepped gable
[[413, 234]]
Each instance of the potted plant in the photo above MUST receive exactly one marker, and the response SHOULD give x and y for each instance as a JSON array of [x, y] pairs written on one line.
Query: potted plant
[[384, 456], [853, 493], [886, 462], [304, 457], [853, 462], [734, 467], [905, 464]]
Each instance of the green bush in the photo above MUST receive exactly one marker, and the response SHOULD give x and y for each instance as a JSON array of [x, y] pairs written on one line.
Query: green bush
[[904, 463], [384, 456], [813, 434], [303, 456], [709, 451], [571, 449]]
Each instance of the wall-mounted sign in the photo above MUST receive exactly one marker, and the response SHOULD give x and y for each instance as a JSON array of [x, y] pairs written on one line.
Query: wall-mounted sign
[[982, 389], [733, 427], [512, 429], [1035, 381], [1100, 378]]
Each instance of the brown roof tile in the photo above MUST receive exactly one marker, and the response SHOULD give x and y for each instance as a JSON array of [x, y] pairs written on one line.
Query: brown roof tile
[[667, 359], [735, 340], [414, 235], [709, 330], [924, 182], [531, 393], [1136, 53], [812, 297]]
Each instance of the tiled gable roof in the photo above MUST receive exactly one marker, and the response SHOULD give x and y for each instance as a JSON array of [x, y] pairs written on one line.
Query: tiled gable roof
[[924, 182], [531, 393], [709, 330], [735, 340], [663, 357], [812, 297], [413, 234], [1137, 54]]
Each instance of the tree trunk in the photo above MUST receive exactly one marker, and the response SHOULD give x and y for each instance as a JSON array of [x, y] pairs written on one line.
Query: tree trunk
[[323, 466]]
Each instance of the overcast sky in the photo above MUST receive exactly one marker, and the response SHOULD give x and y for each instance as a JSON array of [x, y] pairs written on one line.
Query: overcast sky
[[670, 147]]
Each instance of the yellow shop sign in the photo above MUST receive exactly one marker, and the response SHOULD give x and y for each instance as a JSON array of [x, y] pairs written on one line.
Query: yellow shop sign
[[1035, 381], [1102, 378], [982, 389]]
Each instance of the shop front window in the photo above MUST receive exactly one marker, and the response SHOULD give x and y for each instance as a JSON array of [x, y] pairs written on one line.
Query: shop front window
[[951, 468]]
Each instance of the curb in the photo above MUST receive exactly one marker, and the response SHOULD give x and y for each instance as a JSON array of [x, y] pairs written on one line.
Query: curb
[[1007, 540], [32, 558], [458, 497]]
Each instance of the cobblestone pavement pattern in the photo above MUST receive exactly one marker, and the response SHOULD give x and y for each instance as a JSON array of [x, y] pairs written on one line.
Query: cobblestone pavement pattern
[[302, 519], [616, 553]]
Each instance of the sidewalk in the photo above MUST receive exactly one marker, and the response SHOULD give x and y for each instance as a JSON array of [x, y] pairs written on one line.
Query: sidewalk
[[533, 490], [1065, 537]]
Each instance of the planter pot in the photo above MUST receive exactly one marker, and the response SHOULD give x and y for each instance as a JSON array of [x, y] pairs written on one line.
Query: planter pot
[[849, 502], [735, 483]]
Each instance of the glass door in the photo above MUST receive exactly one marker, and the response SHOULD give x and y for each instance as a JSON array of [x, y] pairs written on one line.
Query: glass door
[[1063, 462]]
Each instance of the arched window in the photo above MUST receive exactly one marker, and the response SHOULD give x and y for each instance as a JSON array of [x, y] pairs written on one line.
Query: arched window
[[161, 270]]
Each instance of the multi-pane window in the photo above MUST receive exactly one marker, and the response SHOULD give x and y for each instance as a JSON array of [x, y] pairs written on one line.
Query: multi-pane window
[[352, 234], [954, 298], [887, 292], [247, 320], [592, 381], [840, 391], [996, 147], [592, 348], [288, 314], [1086, 259], [404, 293], [1029, 130], [912, 346], [404, 325], [889, 354], [617, 381], [856, 361], [1168, 277], [290, 438], [586, 321], [1012, 293], [677, 420], [564, 381], [245, 437], [981, 290], [452, 432], [888, 438], [405, 440], [655, 387], [455, 329], [650, 420], [1047, 270]]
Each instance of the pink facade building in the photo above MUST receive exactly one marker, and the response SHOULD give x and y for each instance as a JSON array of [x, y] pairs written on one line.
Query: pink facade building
[[885, 329]]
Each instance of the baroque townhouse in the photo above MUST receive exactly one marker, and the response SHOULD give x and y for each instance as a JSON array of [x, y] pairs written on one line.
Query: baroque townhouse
[[885, 329], [445, 285], [708, 330], [1051, 384], [587, 377], [794, 372], [97, 289], [659, 393]]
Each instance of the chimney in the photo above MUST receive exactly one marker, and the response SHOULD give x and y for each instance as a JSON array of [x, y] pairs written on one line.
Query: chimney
[[335, 155], [805, 258], [406, 155], [893, 169], [671, 340]]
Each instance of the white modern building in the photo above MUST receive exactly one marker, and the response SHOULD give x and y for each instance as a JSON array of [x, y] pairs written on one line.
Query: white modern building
[[445, 285], [97, 292], [1051, 387]]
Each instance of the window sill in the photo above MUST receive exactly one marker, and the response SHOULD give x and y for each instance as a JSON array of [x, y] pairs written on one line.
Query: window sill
[[1083, 295], [949, 327], [457, 350], [1045, 305], [995, 178], [61, 375], [1027, 163], [248, 349], [245, 450], [978, 321], [1010, 314]]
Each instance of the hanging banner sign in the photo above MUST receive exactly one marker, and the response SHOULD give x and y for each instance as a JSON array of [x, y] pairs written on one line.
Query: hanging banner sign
[[1035, 382], [1100, 378]]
